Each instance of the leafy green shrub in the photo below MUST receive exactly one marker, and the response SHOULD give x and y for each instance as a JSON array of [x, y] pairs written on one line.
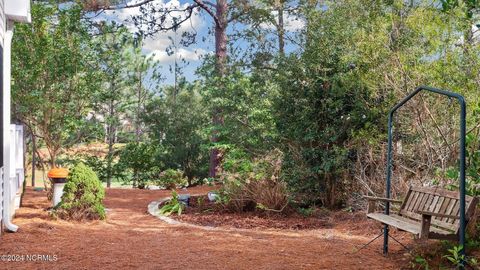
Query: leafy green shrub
[[172, 179], [82, 196], [140, 161], [253, 184], [455, 257], [173, 206], [176, 121]]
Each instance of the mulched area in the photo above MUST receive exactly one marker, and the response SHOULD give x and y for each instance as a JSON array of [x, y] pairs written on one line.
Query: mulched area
[[130, 238], [203, 212]]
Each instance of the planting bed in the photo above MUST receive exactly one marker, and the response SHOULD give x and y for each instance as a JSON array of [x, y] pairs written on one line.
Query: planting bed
[[205, 213]]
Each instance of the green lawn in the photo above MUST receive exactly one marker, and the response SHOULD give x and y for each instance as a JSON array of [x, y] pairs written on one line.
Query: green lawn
[[40, 177]]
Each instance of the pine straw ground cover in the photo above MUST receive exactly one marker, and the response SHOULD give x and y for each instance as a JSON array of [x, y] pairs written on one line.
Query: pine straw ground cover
[[130, 238]]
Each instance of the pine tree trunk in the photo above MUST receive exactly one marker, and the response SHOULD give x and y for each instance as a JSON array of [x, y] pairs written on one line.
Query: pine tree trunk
[[221, 70], [34, 161], [281, 28], [139, 107], [111, 138]]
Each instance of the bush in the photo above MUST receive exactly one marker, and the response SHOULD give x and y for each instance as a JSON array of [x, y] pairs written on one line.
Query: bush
[[82, 196], [256, 184], [172, 179], [141, 162]]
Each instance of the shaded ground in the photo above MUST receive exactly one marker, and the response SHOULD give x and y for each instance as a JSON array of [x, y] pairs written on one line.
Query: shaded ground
[[132, 239]]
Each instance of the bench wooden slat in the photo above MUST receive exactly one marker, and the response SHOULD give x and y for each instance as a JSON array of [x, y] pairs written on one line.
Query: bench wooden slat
[[449, 210], [406, 202], [418, 198], [437, 190], [445, 204], [402, 223], [434, 203], [411, 203], [428, 202], [418, 201], [455, 212], [391, 220], [439, 205]]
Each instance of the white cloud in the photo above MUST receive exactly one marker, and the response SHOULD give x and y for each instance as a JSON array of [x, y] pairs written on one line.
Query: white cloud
[[188, 55], [291, 22]]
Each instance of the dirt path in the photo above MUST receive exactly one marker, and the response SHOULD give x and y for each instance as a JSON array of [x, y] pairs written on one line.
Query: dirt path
[[132, 239]]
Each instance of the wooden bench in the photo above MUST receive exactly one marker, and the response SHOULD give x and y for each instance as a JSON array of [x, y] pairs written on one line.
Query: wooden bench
[[426, 212]]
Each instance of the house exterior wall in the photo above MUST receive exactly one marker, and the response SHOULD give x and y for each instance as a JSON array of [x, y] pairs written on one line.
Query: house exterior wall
[[2, 35], [2, 21], [11, 135]]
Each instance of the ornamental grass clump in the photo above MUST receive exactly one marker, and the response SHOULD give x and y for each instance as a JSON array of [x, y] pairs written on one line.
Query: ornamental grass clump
[[253, 184], [82, 196]]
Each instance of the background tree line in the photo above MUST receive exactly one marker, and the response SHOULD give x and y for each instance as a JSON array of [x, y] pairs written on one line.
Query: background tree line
[[319, 94]]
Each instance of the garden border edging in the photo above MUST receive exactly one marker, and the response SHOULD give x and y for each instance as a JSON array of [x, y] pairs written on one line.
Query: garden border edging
[[154, 210]]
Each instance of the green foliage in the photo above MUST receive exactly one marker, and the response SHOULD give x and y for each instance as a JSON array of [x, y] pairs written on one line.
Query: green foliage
[[306, 212], [82, 196], [52, 70], [246, 103], [140, 161], [172, 206], [176, 121], [316, 151], [171, 179], [472, 173], [97, 164], [455, 257], [320, 95], [253, 184], [420, 263]]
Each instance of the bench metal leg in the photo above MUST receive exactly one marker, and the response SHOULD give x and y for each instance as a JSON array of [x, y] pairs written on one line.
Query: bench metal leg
[[394, 239], [385, 250], [371, 241], [385, 239]]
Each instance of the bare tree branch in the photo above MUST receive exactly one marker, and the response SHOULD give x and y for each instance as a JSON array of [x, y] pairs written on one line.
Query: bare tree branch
[[159, 27], [204, 6], [116, 7]]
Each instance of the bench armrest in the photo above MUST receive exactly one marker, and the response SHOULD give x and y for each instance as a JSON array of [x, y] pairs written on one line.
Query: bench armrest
[[370, 198], [432, 214], [372, 202]]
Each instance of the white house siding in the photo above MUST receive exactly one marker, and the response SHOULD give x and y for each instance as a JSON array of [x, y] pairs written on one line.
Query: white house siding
[[13, 173], [2, 21], [2, 35]]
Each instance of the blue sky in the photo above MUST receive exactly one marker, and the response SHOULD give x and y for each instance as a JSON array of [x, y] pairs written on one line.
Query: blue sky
[[200, 23]]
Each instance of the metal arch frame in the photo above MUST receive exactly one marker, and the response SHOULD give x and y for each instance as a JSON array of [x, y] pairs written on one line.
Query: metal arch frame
[[463, 108]]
